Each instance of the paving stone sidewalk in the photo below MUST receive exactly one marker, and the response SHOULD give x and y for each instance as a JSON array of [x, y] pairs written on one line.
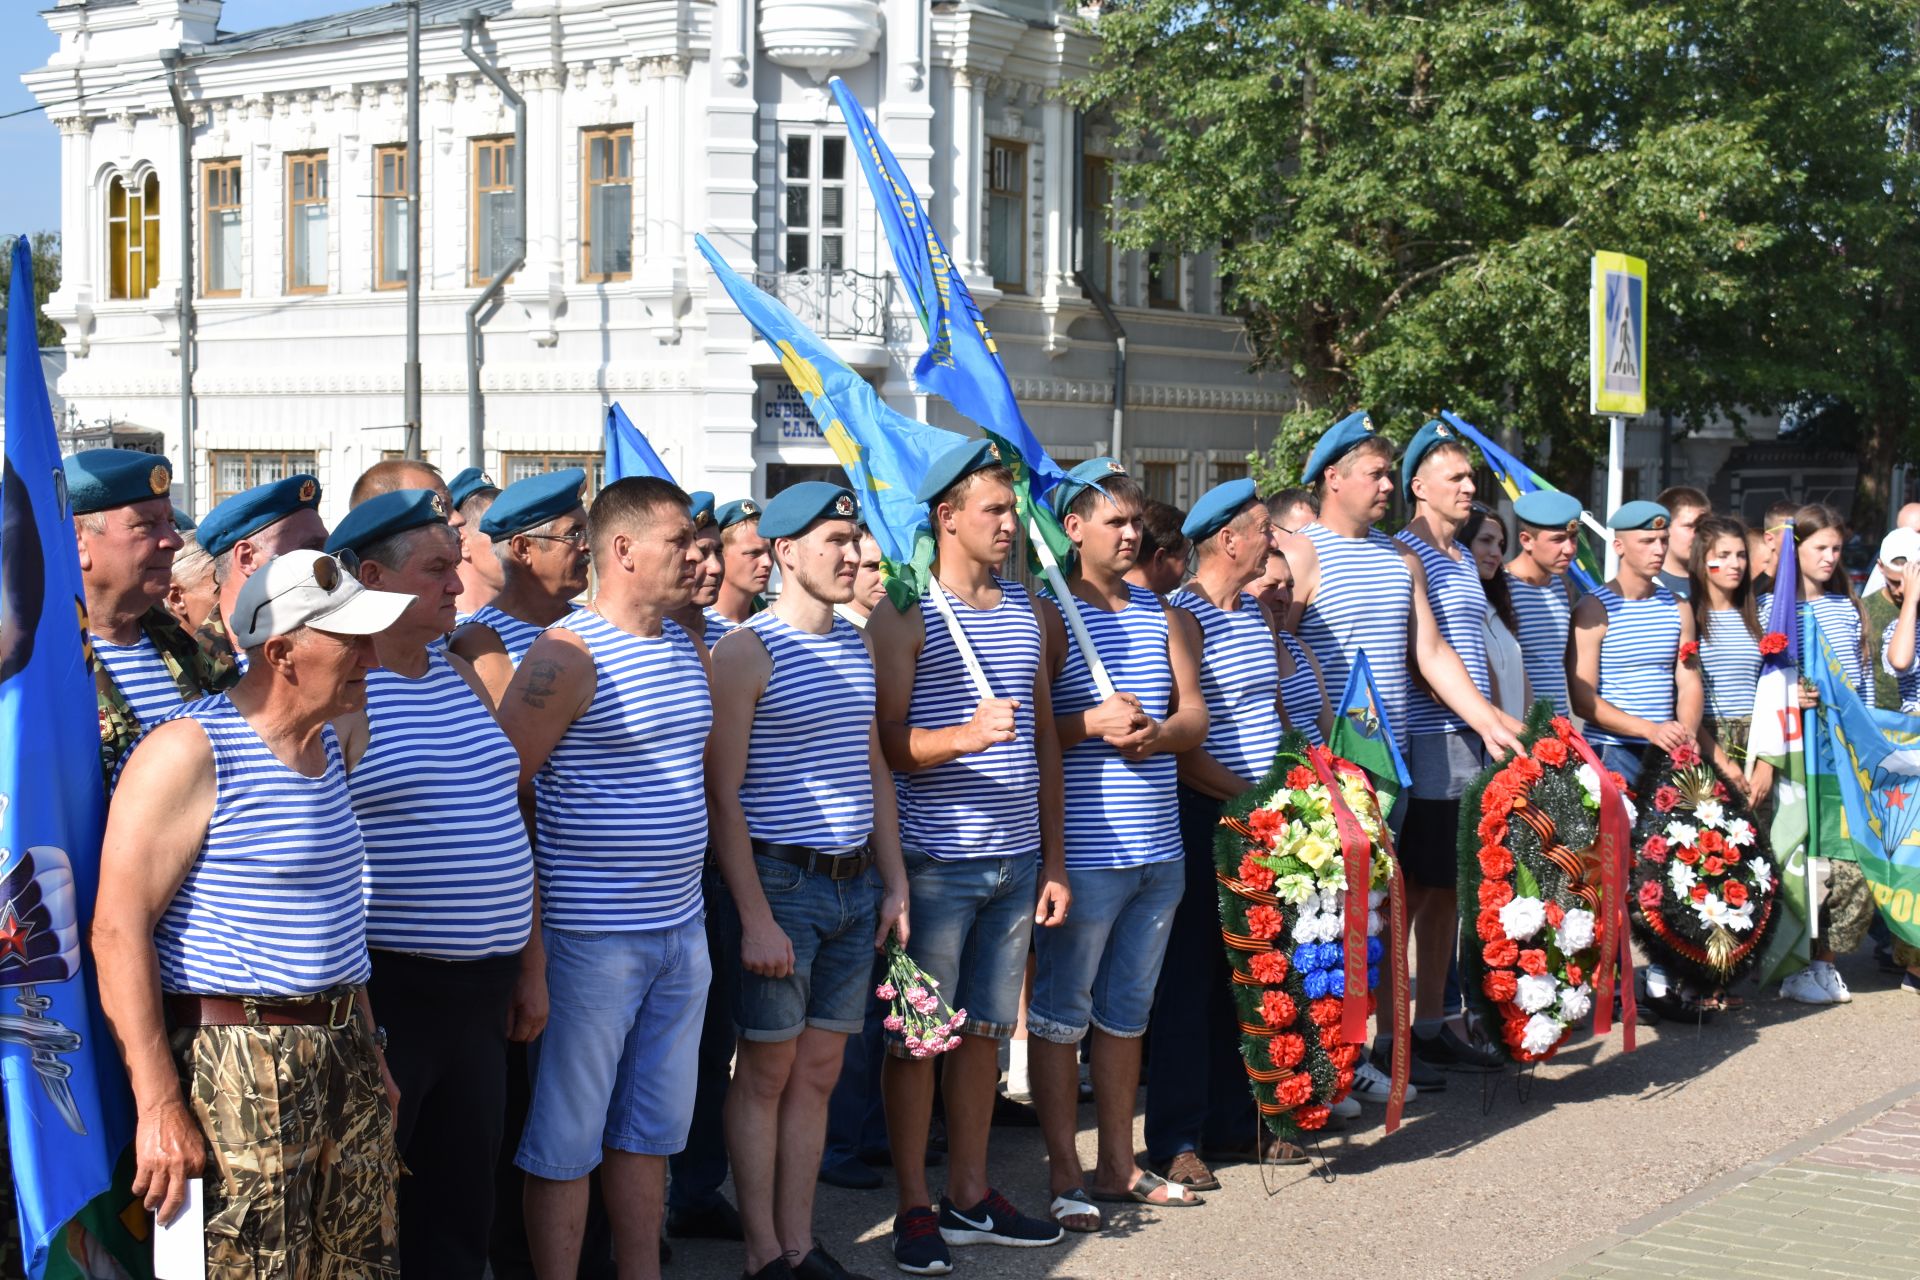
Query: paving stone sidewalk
[[1849, 1207]]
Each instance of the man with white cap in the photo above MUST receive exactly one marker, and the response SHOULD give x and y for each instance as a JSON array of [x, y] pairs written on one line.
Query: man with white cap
[[1885, 602], [230, 939]]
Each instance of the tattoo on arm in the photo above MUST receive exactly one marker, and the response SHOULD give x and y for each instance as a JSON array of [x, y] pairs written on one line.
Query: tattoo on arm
[[541, 675]]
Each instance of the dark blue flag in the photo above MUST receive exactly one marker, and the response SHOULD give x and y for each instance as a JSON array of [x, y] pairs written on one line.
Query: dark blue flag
[[68, 1110]]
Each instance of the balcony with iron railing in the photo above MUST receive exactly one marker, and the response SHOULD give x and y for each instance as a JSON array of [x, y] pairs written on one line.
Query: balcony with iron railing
[[843, 305]]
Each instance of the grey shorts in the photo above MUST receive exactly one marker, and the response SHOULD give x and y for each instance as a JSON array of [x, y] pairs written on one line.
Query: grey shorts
[[1442, 764]]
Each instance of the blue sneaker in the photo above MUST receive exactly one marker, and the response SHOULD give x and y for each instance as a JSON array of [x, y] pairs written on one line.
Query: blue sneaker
[[1908, 982], [995, 1221], [918, 1249]]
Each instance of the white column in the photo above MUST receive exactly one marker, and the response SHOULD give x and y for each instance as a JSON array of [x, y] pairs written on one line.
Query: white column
[[672, 96], [1056, 194], [969, 128]]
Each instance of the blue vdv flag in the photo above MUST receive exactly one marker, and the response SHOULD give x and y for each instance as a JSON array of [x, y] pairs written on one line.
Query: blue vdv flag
[[69, 1113], [1363, 734], [628, 453], [884, 453]]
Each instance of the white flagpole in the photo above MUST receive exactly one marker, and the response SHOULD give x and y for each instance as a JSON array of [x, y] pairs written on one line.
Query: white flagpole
[[960, 641], [1070, 610]]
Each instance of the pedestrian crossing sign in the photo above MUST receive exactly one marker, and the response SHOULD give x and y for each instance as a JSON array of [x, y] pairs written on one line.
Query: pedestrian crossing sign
[[1618, 327]]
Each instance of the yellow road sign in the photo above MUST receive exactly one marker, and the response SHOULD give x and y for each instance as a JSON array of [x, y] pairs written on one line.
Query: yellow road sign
[[1617, 323]]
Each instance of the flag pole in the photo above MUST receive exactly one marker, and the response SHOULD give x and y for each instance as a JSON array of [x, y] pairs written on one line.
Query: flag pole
[[1069, 609], [967, 657], [1808, 720]]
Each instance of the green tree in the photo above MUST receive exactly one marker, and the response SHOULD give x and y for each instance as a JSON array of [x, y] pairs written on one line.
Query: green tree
[[46, 278], [1406, 195]]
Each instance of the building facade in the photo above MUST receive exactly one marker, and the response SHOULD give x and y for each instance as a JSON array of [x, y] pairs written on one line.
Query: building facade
[[646, 121]]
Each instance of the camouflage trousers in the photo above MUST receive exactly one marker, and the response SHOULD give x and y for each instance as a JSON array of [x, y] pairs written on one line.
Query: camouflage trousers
[[1848, 911], [301, 1164]]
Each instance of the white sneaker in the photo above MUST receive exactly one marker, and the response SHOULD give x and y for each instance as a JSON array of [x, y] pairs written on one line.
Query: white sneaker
[[1346, 1108], [1657, 983], [1832, 982], [1370, 1084], [1805, 986]]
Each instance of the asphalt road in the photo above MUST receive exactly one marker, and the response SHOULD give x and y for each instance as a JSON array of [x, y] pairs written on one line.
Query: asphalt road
[[1603, 1138]]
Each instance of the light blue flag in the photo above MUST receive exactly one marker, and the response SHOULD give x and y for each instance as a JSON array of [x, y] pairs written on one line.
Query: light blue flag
[[1516, 477], [628, 453], [961, 365], [69, 1113], [885, 453], [1362, 734]]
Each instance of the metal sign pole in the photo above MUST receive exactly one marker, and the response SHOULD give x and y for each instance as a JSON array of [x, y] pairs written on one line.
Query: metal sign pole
[[1616, 481]]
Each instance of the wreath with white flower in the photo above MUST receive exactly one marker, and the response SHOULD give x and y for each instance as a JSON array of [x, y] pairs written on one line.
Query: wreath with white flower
[[1531, 890], [1283, 915], [1703, 886]]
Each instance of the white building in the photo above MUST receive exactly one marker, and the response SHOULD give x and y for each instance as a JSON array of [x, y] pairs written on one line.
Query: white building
[[645, 122]]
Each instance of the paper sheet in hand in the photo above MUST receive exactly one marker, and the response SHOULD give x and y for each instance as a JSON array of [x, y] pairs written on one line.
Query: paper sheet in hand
[[180, 1247]]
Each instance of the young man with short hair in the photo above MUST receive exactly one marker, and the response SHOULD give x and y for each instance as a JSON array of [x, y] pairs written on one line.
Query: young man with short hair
[[746, 568], [1161, 564], [806, 840], [1685, 505], [1542, 596], [1763, 545]]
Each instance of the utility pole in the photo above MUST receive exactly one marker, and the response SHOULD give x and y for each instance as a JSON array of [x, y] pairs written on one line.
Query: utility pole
[[414, 205]]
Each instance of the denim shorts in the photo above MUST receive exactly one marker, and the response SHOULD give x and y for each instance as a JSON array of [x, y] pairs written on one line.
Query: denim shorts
[[972, 922], [1623, 758], [1100, 965], [831, 925], [615, 1066]]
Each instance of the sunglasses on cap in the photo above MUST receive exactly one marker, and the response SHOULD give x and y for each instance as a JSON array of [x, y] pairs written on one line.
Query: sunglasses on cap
[[326, 575]]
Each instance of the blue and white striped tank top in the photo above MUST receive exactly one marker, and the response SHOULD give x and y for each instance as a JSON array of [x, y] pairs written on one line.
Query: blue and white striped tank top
[[141, 676], [1120, 813], [1729, 665], [620, 807], [449, 872], [1839, 620], [1637, 657], [717, 625], [1240, 676], [1301, 692], [986, 805], [1546, 620], [271, 906], [1460, 606], [1363, 602], [517, 634], [809, 778], [1908, 681]]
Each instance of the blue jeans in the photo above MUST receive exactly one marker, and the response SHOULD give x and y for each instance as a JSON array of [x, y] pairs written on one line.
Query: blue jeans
[[615, 1066], [830, 924], [1624, 759], [972, 924], [1102, 964]]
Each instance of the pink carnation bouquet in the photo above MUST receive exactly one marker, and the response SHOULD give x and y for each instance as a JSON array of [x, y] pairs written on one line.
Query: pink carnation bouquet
[[927, 1024]]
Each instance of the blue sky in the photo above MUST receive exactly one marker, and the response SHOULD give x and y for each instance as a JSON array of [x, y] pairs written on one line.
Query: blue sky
[[30, 147]]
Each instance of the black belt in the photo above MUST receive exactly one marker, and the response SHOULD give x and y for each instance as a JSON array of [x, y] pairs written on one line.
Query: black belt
[[834, 864]]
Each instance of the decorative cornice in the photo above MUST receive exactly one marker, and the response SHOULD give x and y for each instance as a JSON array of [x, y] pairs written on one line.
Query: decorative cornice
[[300, 381]]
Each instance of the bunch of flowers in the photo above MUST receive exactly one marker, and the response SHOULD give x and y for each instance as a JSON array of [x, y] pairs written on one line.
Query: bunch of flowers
[[1527, 830], [926, 1023], [1703, 888], [1283, 912]]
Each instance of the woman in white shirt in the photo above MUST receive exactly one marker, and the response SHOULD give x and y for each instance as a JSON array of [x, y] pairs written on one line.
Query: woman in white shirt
[[1486, 539]]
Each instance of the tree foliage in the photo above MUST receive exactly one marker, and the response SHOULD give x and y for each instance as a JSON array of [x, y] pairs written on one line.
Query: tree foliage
[[46, 278], [1406, 195]]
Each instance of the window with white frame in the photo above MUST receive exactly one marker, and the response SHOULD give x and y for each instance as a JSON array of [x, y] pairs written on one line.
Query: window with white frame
[[1007, 214], [814, 202], [238, 470], [307, 209], [220, 228]]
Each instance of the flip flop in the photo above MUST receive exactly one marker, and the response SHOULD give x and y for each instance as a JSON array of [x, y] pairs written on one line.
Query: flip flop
[[1141, 1192], [1074, 1204]]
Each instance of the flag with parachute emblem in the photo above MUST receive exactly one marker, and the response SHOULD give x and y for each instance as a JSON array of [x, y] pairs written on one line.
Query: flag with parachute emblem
[[1361, 734]]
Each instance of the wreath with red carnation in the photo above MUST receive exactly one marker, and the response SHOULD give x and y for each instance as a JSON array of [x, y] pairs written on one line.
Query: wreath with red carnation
[[1530, 881], [1282, 916], [1703, 885]]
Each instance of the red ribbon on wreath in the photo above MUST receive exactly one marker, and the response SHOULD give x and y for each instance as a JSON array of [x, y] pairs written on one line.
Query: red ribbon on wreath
[[1357, 852], [1613, 848]]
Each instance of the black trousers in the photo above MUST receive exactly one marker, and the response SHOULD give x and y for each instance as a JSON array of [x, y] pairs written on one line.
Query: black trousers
[[446, 1027], [695, 1174]]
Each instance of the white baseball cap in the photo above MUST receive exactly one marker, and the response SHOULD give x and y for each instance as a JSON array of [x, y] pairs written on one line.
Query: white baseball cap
[[1900, 544], [310, 589]]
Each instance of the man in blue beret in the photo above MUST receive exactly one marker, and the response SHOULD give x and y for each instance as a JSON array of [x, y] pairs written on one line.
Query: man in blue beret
[[746, 568], [538, 528], [970, 732], [148, 664], [803, 824], [434, 784], [1542, 593], [693, 619], [391, 474], [481, 578], [1685, 506], [1630, 683], [247, 530]]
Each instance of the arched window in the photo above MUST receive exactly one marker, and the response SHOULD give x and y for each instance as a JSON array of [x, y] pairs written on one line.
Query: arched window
[[133, 236]]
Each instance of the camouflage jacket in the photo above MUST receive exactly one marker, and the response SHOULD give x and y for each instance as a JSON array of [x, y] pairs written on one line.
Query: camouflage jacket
[[196, 671]]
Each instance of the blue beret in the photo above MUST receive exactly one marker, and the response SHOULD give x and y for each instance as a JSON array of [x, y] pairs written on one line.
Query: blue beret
[[1547, 509], [1428, 438], [1083, 477], [1217, 507], [1639, 515], [729, 514], [1334, 444], [102, 478], [700, 507], [953, 466], [793, 510], [388, 514], [469, 482], [251, 510], [528, 503], [182, 521]]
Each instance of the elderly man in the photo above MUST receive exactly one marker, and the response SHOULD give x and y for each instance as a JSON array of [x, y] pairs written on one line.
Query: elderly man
[[449, 885], [230, 941], [538, 527], [147, 664], [610, 712], [472, 492], [193, 594], [245, 532]]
